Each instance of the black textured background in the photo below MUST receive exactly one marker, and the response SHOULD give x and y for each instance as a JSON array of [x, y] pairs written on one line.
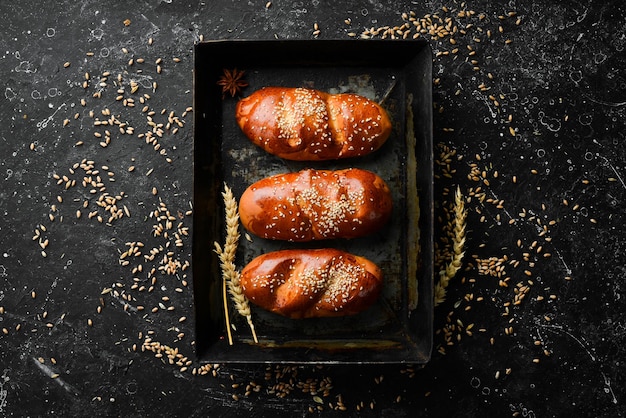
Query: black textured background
[[562, 81]]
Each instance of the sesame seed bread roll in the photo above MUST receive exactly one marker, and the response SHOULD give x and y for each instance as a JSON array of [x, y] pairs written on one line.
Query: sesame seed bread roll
[[310, 125], [316, 205], [312, 283]]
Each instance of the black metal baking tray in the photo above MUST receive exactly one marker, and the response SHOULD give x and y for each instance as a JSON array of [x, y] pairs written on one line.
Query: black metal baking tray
[[398, 328]]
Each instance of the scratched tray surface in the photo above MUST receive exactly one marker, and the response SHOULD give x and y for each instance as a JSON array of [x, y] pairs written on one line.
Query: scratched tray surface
[[398, 327]]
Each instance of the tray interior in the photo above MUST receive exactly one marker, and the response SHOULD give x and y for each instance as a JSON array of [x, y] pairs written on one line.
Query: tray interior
[[398, 328]]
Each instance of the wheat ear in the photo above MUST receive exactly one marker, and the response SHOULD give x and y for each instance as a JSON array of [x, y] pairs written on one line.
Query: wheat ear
[[227, 254], [458, 244]]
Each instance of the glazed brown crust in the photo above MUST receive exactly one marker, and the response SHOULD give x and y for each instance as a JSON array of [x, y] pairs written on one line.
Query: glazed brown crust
[[309, 125], [312, 283], [316, 204]]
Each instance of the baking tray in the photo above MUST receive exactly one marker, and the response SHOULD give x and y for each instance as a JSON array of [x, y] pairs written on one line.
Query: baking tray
[[398, 328]]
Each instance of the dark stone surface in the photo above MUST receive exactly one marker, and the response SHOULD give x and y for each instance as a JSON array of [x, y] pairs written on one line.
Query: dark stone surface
[[562, 82]]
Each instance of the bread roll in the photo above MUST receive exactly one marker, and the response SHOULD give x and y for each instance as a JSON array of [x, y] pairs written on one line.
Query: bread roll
[[316, 205], [312, 283], [308, 125]]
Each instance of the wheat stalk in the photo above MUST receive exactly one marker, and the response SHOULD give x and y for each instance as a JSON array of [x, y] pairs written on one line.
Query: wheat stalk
[[226, 313], [226, 255], [458, 244]]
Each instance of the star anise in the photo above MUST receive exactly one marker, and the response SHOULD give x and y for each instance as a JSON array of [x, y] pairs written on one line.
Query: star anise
[[232, 82]]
